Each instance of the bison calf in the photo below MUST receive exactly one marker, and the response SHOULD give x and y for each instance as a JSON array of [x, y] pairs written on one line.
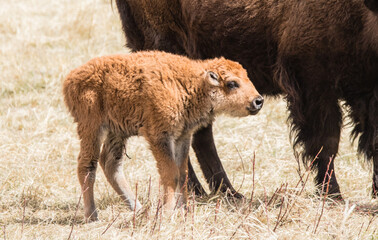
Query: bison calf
[[160, 96]]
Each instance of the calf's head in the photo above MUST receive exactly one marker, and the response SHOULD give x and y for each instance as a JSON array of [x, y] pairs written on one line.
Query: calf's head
[[232, 92]]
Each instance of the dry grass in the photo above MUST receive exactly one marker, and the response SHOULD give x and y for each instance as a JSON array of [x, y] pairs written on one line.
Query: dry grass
[[40, 42]]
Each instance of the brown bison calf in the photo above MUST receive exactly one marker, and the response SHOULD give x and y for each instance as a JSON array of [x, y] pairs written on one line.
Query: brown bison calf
[[160, 96]]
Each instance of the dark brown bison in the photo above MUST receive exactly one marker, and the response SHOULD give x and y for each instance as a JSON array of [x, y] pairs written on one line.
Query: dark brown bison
[[315, 53]]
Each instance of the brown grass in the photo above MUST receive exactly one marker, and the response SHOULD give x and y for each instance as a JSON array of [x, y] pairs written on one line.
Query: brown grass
[[39, 191]]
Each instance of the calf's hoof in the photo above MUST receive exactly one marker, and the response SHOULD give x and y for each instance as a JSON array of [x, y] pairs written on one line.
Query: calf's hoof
[[91, 217]]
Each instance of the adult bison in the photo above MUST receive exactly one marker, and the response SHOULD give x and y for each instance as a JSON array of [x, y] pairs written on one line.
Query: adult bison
[[314, 52]]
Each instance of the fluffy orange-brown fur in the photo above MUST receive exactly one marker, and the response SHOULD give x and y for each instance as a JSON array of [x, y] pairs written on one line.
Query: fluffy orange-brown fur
[[160, 96]]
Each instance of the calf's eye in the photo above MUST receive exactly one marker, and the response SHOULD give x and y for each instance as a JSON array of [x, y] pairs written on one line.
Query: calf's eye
[[213, 75], [232, 84]]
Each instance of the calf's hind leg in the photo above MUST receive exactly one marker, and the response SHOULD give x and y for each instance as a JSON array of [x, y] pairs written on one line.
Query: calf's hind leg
[[87, 164], [111, 159]]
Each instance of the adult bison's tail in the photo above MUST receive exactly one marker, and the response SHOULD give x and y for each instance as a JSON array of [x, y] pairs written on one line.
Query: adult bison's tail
[[134, 35], [153, 25], [372, 5]]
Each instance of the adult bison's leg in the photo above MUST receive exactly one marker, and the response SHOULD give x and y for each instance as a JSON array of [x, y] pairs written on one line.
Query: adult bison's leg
[[373, 113], [316, 119], [375, 172], [364, 113], [204, 147], [365, 116], [368, 143]]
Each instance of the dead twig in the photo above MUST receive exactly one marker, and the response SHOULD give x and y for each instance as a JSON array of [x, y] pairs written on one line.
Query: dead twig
[[111, 223], [218, 189], [298, 193], [148, 200], [253, 178], [370, 222], [216, 210], [149, 189], [250, 203], [242, 162], [156, 216], [135, 202], [359, 233], [23, 217], [273, 198], [323, 204], [193, 213], [5, 233], [279, 220], [279, 214], [299, 170], [326, 193], [215, 217], [77, 207]]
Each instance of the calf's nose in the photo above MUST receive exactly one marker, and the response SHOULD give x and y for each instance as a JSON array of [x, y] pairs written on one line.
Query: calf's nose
[[257, 103]]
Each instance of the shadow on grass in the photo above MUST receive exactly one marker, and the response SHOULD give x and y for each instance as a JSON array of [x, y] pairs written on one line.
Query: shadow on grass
[[367, 208], [65, 220]]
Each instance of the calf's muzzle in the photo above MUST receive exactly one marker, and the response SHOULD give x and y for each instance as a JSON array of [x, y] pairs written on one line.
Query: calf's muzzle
[[256, 105]]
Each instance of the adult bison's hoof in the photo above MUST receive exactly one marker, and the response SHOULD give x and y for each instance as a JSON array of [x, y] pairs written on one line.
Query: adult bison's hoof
[[337, 197], [198, 190], [234, 194], [228, 193], [333, 192], [374, 194]]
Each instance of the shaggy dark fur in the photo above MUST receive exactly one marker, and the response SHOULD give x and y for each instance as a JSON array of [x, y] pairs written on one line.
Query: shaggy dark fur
[[314, 52]]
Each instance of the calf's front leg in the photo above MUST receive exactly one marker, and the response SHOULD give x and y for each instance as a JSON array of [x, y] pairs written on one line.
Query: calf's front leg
[[171, 157]]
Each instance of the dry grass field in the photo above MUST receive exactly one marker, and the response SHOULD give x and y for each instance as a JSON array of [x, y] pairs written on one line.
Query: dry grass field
[[40, 42]]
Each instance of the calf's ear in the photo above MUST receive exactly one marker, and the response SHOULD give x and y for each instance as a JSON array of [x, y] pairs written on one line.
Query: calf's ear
[[212, 78]]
